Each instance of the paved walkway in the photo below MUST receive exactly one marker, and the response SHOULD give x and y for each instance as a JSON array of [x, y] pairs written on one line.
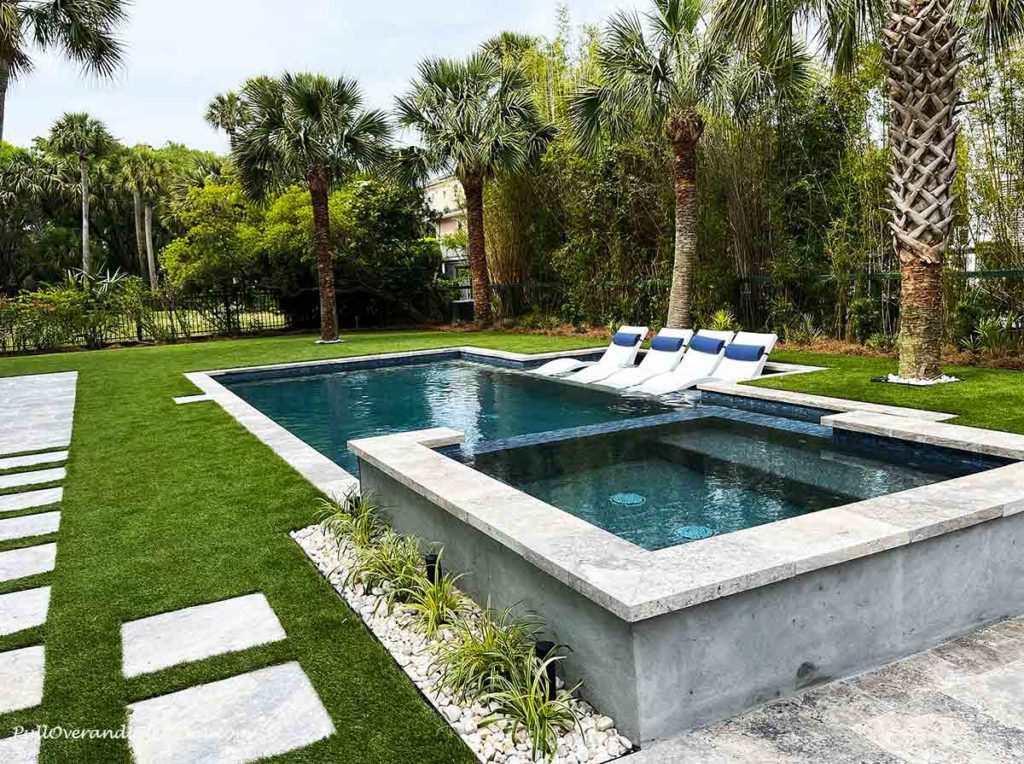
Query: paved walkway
[[961, 702], [36, 414]]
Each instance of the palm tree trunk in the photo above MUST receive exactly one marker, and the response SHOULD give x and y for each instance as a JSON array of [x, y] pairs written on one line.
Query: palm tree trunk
[[83, 166], [324, 260], [684, 132], [140, 235], [5, 81], [921, 48], [150, 257], [474, 189]]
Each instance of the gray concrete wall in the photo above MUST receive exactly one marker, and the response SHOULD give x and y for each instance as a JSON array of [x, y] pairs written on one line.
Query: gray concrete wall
[[669, 674], [602, 647], [709, 662]]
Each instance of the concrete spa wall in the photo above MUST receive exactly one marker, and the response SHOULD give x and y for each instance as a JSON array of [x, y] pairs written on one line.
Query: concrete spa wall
[[668, 674]]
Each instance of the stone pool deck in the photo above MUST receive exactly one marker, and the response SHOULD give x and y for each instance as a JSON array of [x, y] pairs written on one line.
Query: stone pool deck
[[962, 701]]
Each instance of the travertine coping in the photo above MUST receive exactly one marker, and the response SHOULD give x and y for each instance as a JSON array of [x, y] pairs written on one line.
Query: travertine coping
[[323, 473], [1006, 445], [636, 584], [816, 401]]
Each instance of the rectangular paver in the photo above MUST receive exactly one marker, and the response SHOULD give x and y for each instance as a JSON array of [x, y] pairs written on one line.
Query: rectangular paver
[[23, 610], [262, 713], [21, 678], [29, 525], [47, 457], [31, 499], [29, 561], [194, 633], [36, 412], [20, 749], [35, 477]]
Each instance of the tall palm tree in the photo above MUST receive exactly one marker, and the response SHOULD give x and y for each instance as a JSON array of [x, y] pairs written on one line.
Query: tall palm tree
[[83, 31], [226, 112], [924, 46], [476, 118], [80, 137], [144, 172], [313, 129], [663, 72]]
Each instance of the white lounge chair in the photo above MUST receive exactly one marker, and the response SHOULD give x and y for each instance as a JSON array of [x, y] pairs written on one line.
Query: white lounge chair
[[743, 358], [621, 352], [665, 354], [704, 354]]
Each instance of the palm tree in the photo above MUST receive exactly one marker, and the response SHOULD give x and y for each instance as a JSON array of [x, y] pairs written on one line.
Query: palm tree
[[226, 112], [665, 74], [923, 45], [476, 118], [83, 31], [143, 172], [79, 136], [309, 128]]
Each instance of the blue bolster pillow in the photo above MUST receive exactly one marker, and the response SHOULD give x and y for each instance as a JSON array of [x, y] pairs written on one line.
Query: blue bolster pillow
[[626, 339], [667, 344], [744, 352], [706, 345]]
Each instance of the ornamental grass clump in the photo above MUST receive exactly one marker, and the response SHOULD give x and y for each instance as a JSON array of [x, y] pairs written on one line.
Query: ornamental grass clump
[[483, 647], [433, 604], [354, 519], [392, 564], [526, 702]]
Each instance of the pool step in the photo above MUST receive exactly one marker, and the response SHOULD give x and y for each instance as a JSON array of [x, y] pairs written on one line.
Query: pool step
[[824, 470]]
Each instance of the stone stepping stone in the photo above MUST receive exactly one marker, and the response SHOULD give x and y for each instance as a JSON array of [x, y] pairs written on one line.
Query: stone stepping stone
[[185, 399], [30, 561], [18, 479], [29, 525], [31, 499], [251, 716], [17, 462], [21, 678], [154, 643], [20, 749], [36, 412], [23, 610]]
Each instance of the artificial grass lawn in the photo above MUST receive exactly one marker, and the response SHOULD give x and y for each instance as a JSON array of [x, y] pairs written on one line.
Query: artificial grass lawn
[[989, 398], [169, 506]]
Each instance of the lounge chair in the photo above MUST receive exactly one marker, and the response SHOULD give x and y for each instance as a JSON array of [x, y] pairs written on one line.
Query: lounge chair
[[665, 354], [743, 358], [706, 351], [621, 352]]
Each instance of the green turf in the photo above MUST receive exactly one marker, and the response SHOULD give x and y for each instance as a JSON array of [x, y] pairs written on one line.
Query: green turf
[[168, 506], [985, 398]]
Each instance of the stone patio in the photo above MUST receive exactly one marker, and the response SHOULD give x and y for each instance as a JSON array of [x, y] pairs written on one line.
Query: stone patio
[[960, 702]]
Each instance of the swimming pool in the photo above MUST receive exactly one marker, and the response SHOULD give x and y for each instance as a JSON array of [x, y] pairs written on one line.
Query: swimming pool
[[661, 486], [487, 403]]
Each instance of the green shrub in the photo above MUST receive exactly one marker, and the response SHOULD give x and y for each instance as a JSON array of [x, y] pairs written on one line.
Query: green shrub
[[864, 317], [526, 702], [881, 342], [483, 647], [997, 336], [722, 321]]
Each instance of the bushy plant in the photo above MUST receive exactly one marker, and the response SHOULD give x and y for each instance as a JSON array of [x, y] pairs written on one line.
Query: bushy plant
[[722, 320], [802, 331], [526, 702], [864, 318], [484, 646], [997, 336], [354, 519], [881, 342]]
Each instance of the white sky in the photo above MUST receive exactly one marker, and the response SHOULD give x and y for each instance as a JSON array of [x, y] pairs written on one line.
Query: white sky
[[183, 52]]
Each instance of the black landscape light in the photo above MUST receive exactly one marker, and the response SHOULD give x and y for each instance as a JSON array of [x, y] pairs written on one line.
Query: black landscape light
[[433, 568], [543, 649]]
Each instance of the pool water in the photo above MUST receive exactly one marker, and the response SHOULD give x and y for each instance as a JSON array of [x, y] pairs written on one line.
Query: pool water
[[664, 486], [486, 403]]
